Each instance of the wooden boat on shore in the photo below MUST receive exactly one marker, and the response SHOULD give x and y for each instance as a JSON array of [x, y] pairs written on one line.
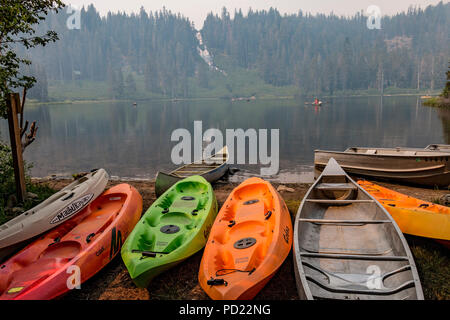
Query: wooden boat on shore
[[439, 147], [405, 165], [413, 216], [212, 169], [347, 246]]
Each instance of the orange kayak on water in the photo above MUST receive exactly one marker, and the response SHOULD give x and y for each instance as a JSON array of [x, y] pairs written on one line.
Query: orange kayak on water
[[249, 241], [74, 251], [413, 216]]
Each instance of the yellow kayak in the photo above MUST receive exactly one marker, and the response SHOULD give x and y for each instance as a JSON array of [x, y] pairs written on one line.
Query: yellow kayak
[[413, 216]]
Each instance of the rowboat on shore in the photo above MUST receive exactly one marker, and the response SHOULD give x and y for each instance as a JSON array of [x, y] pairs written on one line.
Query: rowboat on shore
[[405, 165], [439, 147], [347, 246], [413, 216], [212, 169]]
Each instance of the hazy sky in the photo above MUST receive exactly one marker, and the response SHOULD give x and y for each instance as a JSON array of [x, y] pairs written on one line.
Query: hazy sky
[[197, 10]]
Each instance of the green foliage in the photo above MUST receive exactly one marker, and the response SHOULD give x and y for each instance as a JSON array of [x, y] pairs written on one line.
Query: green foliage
[[17, 27], [8, 186], [130, 86], [432, 102], [446, 91]]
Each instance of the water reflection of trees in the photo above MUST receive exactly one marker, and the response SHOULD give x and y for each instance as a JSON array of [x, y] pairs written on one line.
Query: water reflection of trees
[[444, 115]]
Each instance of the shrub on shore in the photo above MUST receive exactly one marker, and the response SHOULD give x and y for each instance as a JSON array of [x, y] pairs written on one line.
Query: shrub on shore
[[9, 206]]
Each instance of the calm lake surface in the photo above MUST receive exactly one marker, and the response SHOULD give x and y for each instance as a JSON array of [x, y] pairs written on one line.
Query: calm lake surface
[[134, 142]]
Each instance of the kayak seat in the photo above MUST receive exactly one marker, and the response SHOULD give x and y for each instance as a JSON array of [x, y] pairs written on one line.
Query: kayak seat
[[178, 218], [146, 241], [223, 259], [62, 250], [177, 242]]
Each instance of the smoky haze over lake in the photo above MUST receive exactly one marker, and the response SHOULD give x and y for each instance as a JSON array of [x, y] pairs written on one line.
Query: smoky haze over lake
[[134, 142]]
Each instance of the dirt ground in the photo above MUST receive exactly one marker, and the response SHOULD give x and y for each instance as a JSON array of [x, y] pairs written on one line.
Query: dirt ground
[[180, 282]]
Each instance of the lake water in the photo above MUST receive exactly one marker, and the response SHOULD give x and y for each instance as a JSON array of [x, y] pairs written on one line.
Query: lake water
[[134, 142]]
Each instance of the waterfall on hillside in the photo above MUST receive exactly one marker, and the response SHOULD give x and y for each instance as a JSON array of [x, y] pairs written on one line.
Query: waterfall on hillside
[[205, 55]]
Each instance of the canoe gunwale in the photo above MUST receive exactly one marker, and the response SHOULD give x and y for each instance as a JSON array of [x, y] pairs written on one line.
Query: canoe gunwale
[[211, 175]]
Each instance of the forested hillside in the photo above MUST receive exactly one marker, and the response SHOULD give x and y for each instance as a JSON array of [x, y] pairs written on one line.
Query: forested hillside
[[156, 54], [327, 53]]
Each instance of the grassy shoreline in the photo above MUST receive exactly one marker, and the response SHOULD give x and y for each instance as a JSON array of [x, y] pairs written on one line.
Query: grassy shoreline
[[33, 102], [437, 102]]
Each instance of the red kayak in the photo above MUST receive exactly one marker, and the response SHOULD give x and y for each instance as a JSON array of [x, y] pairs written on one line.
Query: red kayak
[[73, 252]]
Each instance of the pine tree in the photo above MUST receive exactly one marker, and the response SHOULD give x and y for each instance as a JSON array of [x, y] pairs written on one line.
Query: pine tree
[[130, 86], [446, 91]]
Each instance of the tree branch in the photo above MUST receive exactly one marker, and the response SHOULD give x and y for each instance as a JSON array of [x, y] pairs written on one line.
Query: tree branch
[[30, 137]]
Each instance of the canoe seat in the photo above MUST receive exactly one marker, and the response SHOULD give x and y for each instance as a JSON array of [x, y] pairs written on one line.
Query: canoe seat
[[336, 186], [371, 151], [356, 283], [337, 202]]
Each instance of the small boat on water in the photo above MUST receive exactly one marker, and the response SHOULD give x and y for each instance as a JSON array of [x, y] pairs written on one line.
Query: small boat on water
[[212, 169], [175, 227], [406, 165], [318, 103], [47, 268], [413, 216], [61, 206], [249, 241], [347, 246]]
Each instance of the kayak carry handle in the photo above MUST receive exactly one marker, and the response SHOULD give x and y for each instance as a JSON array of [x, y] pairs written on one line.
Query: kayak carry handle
[[216, 282], [89, 237], [150, 254], [68, 197]]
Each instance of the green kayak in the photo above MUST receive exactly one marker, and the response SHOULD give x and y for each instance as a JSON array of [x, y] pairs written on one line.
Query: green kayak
[[175, 227]]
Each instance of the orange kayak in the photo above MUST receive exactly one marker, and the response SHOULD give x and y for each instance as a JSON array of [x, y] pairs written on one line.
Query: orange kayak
[[74, 251], [413, 216], [249, 241]]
